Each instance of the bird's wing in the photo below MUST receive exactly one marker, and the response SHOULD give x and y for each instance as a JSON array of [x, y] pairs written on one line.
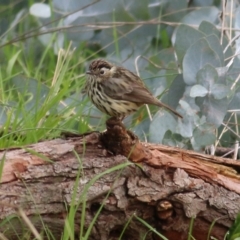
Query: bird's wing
[[130, 91], [118, 89]]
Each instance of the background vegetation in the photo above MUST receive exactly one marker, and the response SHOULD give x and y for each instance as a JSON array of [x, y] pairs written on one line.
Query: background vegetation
[[186, 53]]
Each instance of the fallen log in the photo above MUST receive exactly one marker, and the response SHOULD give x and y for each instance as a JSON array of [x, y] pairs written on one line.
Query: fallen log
[[121, 184]]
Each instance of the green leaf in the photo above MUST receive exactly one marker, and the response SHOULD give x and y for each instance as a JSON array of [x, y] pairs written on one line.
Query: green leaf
[[33, 90], [11, 62], [198, 91], [185, 37], [203, 135], [214, 110], [187, 125], [161, 123], [234, 231], [142, 129], [220, 91], [175, 92], [234, 104], [214, 44], [138, 9], [173, 10], [207, 76], [196, 57], [209, 29], [209, 14], [3, 114]]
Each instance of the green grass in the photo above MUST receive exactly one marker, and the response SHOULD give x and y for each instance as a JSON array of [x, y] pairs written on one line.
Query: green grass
[[40, 107]]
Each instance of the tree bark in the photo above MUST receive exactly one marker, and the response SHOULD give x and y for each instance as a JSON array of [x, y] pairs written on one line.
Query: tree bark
[[121, 184]]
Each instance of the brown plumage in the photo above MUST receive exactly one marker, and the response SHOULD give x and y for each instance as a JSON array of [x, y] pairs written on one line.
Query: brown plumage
[[117, 91]]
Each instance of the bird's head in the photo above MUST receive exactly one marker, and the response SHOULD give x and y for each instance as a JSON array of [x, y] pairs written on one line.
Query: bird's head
[[101, 69]]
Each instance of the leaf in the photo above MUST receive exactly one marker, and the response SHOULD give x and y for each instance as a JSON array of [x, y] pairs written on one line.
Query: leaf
[[209, 14], [142, 129], [203, 135], [164, 57], [196, 57], [32, 90], [184, 38], [138, 9], [175, 92], [173, 10], [3, 115], [207, 76], [234, 104], [198, 91], [11, 62], [208, 28], [161, 123], [42, 10], [223, 74], [234, 231], [157, 84], [214, 44], [186, 126], [220, 91], [214, 110]]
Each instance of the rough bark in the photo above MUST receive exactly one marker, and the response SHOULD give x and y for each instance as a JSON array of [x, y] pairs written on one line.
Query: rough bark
[[166, 187]]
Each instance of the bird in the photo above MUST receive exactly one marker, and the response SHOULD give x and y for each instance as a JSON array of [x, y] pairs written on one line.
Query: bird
[[116, 91]]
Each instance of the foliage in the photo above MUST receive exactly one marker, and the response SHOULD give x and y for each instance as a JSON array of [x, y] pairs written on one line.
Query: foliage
[[234, 231], [171, 45]]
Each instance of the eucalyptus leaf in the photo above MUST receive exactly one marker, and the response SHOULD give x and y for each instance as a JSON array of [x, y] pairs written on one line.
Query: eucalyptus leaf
[[142, 129], [223, 74], [69, 6], [209, 14], [234, 104], [214, 109], [184, 37], [161, 123], [202, 3], [171, 139], [162, 58], [42, 10], [157, 84], [220, 91], [32, 90], [214, 43], [139, 9], [207, 76], [203, 136], [209, 28], [198, 91], [196, 57], [191, 103], [187, 125], [174, 10], [79, 33], [175, 92]]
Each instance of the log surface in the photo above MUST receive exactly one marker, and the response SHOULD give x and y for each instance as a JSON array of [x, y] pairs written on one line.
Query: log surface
[[166, 187]]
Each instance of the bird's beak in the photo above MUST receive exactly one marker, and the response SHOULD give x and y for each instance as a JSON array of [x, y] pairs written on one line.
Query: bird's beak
[[88, 72]]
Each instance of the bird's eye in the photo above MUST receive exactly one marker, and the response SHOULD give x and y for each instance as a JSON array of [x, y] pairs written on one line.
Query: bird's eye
[[102, 72]]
